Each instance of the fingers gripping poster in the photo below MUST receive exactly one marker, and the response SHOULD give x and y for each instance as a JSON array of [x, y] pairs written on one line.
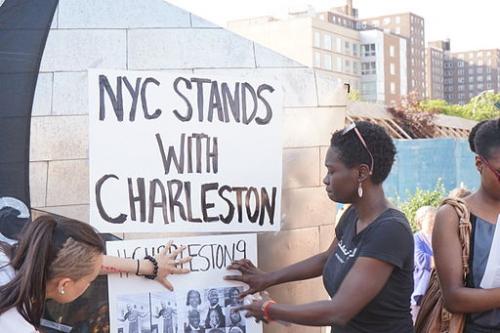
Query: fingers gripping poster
[[184, 152], [201, 302]]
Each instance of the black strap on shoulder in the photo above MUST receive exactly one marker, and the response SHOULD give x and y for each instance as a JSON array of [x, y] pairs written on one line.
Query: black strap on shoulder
[[469, 281]]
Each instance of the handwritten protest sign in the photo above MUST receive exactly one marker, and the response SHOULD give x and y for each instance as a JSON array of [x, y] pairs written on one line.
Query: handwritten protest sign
[[201, 301], [179, 152]]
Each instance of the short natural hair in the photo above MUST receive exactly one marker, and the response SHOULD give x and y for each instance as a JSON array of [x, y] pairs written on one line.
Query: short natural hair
[[353, 153]]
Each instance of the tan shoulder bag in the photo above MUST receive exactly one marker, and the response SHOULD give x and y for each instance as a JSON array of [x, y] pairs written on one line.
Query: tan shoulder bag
[[433, 317]]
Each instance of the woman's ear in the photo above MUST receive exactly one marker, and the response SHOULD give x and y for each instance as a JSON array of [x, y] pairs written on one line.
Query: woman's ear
[[63, 284], [479, 164], [363, 173]]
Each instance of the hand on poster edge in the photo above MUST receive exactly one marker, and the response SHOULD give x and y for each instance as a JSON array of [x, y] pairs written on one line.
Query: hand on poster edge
[[255, 307], [255, 278]]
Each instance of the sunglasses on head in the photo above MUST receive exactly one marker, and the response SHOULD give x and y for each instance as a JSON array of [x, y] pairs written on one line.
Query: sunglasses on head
[[489, 166], [352, 127]]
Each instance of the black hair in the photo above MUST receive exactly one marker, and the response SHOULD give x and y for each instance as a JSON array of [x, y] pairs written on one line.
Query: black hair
[[353, 153], [484, 137]]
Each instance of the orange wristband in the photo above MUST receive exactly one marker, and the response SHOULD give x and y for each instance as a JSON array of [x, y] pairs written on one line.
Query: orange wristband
[[265, 309]]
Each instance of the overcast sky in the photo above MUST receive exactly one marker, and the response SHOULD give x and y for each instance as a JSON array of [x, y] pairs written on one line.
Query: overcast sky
[[469, 24]]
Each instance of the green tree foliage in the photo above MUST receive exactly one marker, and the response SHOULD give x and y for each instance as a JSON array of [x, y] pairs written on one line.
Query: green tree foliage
[[485, 106], [422, 198]]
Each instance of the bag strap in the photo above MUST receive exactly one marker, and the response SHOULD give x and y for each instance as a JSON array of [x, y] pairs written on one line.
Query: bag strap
[[464, 230]]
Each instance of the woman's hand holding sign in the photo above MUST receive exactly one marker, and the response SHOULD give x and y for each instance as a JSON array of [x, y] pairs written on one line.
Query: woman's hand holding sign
[[157, 268], [169, 264], [256, 279]]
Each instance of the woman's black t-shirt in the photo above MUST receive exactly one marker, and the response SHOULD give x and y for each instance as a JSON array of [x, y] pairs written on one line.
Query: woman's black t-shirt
[[388, 238]]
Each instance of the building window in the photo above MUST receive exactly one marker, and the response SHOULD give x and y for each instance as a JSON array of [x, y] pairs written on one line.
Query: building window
[[387, 20], [489, 86], [471, 87], [460, 63], [393, 88], [368, 68], [376, 23], [347, 47], [369, 90], [392, 51], [479, 70], [347, 66], [371, 49], [327, 42], [480, 86], [398, 19], [355, 49], [322, 17], [317, 39], [460, 72], [479, 78], [398, 30], [317, 59], [339, 45], [327, 62], [393, 69], [461, 87], [488, 77], [355, 67], [471, 71], [339, 64]]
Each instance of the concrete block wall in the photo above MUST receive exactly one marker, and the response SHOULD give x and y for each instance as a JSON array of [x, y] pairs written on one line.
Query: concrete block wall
[[154, 35]]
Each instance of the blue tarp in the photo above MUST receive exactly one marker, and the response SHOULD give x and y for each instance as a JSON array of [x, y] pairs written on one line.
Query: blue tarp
[[421, 163]]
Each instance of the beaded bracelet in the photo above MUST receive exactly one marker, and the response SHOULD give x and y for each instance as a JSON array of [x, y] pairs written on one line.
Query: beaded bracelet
[[155, 267]]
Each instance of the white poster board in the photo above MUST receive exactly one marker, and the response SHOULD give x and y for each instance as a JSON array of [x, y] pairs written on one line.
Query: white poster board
[[202, 299], [491, 277], [182, 152]]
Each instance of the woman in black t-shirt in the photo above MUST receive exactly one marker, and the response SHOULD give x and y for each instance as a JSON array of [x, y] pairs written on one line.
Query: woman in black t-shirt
[[368, 269]]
